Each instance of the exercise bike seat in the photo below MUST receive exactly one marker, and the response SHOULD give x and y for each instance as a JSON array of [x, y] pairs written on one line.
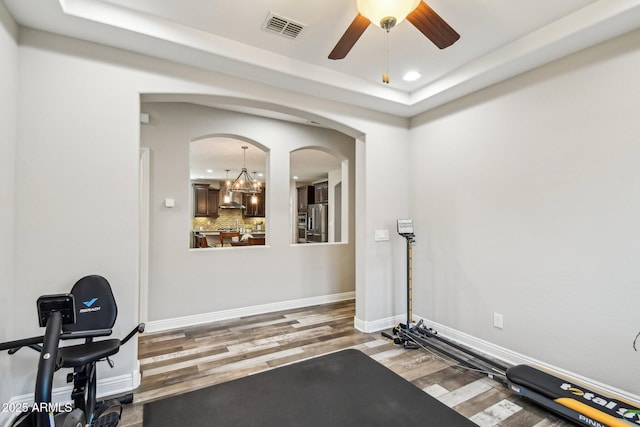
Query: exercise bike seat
[[96, 313], [81, 354]]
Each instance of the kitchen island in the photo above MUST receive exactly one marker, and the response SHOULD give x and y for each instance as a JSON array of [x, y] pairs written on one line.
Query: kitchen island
[[213, 238]]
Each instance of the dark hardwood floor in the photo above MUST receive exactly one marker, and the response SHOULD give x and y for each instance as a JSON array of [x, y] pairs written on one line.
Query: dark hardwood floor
[[187, 359]]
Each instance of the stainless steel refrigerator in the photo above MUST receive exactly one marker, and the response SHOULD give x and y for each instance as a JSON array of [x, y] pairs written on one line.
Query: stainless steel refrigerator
[[317, 222]]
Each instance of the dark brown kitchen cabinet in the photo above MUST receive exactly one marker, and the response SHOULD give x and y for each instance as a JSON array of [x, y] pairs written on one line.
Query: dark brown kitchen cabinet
[[306, 196], [205, 201], [257, 209], [322, 192]]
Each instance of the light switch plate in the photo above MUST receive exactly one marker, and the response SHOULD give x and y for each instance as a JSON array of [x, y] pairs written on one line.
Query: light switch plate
[[381, 235], [498, 320]]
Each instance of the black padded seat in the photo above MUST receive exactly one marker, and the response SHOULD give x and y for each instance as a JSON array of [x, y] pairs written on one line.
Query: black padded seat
[[535, 380], [81, 354]]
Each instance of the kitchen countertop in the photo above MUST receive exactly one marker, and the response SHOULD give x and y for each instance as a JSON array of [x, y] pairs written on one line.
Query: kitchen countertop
[[217, 232]]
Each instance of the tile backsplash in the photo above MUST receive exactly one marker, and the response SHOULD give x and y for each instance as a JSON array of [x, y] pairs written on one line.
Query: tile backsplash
[[228, 218]]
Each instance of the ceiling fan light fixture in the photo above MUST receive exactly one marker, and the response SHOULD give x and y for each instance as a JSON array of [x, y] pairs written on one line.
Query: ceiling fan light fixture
[[386, 14], [379, 11]]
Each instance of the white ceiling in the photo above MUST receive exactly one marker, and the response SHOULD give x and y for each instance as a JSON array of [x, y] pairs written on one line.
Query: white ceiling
[[209, 158], [499, 39]]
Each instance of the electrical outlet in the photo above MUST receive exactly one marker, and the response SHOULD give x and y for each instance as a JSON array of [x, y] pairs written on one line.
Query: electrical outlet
[[498, 321]]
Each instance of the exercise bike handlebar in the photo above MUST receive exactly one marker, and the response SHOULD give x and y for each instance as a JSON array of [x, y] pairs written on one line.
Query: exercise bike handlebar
[[13, 346], [136, 330], [47, 365]]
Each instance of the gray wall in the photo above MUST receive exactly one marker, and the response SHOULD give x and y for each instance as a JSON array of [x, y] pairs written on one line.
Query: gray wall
[[560, 225], [528, 203], [76, 210], [8, 105], [184, 282], [77, 187]]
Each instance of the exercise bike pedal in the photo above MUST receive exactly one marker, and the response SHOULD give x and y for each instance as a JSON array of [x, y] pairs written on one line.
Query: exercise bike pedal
[[108, 414], [110, 419], [74, 418]]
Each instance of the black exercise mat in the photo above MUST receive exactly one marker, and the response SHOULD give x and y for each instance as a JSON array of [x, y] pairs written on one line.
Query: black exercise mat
[[347, 389]]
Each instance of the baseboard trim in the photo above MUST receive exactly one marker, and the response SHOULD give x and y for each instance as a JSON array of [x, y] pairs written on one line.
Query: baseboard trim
[[513, 358], [186, 321], [509, 357], [110, 386], [377, 325]]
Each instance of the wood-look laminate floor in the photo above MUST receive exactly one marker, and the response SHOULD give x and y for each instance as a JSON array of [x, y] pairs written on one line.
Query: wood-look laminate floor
[[178, 361]]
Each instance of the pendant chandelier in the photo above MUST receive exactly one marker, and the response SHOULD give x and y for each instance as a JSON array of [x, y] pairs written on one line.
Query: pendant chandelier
[[244, 183], [227, 193]]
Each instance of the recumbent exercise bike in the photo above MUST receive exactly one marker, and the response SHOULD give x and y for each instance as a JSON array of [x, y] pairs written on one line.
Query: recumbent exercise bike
[[88, 312]]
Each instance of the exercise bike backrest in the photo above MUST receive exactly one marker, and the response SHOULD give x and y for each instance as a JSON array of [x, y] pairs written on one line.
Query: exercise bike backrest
[[96, 308]]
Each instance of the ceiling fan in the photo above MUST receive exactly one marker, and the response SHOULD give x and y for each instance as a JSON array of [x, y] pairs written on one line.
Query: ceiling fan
[[386, 14]]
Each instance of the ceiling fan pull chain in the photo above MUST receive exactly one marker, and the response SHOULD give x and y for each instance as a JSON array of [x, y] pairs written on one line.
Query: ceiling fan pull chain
[[385, 75]]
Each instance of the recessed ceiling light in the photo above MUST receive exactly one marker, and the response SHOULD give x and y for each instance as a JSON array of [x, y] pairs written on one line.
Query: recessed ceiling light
[[209, 170], [295, 177], [411, 76]]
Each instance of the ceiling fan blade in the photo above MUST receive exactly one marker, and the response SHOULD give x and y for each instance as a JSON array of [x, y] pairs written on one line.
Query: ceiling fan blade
[[350, 37], [433, 26]]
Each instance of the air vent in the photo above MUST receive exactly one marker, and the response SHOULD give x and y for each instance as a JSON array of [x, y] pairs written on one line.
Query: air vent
[[283, 26]]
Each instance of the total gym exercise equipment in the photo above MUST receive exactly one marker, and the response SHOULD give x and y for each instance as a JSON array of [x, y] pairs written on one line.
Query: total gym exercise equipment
[[561, 396]]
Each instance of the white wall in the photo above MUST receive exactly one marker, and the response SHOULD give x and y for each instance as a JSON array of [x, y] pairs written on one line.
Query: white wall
[[76, 192], [526, 206], [209, 281], [387, 199], [527, 203], [77, 176], [8, 105]]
